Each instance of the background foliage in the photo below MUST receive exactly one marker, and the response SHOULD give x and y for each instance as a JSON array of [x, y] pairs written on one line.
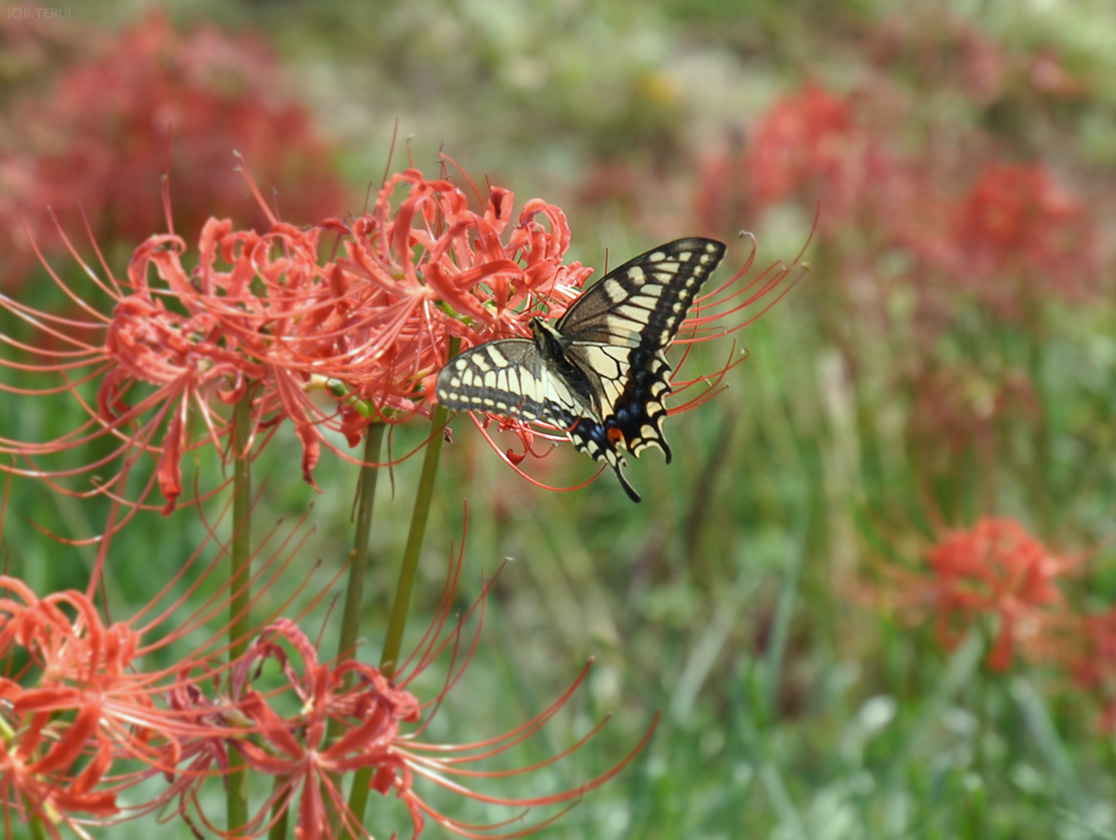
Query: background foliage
[[949, 357]]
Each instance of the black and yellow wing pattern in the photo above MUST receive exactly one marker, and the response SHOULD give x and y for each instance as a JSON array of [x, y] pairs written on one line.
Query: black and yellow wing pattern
[[598, 373]]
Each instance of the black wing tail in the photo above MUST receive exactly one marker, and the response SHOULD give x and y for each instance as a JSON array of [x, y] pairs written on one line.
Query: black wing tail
[[632, 494], [593, 439]]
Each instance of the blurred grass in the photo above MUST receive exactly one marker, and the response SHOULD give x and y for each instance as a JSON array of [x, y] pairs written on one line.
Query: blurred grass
[[726, 600]]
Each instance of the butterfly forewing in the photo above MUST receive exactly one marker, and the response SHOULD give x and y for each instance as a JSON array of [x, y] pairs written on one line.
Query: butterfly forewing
[[643, 302]]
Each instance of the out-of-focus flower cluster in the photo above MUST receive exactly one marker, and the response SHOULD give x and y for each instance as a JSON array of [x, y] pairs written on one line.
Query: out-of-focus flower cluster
[[947, 229], [947, 247], [996, 578], [939, 203], [85, 718], [148, 102]]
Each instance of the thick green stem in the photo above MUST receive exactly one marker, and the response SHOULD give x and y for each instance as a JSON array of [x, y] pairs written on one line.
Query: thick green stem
[[401, 604], [240, 597], [358, 565], [278, 829], [358, 795]]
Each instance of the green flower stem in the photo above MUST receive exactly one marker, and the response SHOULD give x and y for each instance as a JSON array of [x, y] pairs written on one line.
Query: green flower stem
[[389, 658], [278, 829], [358, 563], [1037, 345], [397, 622], [240, 597], [358, 796]]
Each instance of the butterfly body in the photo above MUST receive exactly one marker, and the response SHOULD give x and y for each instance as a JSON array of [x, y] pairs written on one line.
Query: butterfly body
[[598, 373]]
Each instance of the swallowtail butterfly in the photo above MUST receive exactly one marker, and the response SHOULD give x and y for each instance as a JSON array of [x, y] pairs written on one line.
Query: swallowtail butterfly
[[599, 372]]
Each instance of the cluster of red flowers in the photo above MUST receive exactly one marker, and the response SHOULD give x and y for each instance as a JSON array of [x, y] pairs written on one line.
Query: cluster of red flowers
[[932, 230], [265, 317], [84, 718], [1016, 221], [362, 314], [153, 102], [997, 572], [994, 568], [957, 229]]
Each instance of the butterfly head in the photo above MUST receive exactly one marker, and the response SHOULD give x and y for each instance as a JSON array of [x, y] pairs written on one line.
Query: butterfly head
[[551, 343]]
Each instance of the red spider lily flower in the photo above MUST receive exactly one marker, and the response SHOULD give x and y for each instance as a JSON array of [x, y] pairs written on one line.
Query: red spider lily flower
[[68, 711], [805, 137], [429, 268], [281, 730], [146, 99], [997, 570], [1017, 222], [266, 317], [158, 367], [810, 145], [76, 700]]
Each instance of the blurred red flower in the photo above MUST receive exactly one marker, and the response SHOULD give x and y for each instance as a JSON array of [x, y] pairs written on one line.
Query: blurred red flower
[[993, 570], [914, 227], [810, 146], [151, 102], [1016, 222]]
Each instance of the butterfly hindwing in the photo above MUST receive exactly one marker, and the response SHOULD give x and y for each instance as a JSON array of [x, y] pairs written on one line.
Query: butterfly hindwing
[[510, 378], [599, 372]]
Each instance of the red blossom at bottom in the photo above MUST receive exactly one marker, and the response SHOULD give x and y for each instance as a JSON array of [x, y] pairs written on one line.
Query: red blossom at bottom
[[381, 724], [83, 720], [78, 705]]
